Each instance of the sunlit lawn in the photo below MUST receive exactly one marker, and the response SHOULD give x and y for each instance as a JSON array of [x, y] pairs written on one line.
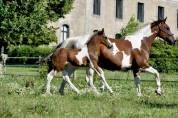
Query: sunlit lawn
[[18, 101]]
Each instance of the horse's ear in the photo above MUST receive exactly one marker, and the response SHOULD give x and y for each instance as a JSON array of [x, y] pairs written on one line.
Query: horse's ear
[[165, 20], [102, 30]]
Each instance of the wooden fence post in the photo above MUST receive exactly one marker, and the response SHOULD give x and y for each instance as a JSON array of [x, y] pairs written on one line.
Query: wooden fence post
[[1, 67]]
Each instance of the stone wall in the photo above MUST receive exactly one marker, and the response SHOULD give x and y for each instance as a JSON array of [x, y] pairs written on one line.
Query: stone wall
[[82, 21]]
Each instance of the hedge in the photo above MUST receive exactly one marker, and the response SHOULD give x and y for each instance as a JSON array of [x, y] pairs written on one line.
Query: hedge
[[27, 51], [164, 57]]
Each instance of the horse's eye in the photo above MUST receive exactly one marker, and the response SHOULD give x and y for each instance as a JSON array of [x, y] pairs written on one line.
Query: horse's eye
[[168, 28]]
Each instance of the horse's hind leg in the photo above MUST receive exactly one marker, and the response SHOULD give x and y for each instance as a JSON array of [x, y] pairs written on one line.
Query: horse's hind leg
[[89, 79], [50, 76], [67, 79], [136, 73], [70, 70]]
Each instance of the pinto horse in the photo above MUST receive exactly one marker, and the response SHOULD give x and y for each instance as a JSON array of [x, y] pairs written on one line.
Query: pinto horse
[[67, 59], [133, 52]]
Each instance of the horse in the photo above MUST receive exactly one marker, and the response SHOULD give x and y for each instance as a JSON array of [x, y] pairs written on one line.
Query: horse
[[75, 42], [133, 52], [67, 59]]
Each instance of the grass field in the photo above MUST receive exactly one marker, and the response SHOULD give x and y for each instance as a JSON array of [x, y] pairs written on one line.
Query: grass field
[[19, 101]]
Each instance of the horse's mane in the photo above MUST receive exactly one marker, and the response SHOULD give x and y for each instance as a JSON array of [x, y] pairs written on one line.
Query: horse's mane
[[94, 34], [141, 27]]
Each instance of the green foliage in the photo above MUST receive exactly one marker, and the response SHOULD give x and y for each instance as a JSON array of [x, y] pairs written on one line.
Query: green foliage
[[164, 56], [131, 27], [28, 51], [24, 21], [43, 70]]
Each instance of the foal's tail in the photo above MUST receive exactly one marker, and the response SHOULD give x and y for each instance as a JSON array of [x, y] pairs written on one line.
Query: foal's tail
[[50, 65], [48, 59]]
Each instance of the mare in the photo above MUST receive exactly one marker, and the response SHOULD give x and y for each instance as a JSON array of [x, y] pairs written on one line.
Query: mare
[[67, 59], [132, 53]]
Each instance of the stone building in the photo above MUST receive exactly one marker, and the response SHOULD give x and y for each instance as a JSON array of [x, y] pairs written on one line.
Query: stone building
[[112, 15]]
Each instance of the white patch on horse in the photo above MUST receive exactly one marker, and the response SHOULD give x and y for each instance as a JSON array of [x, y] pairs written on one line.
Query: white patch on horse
[[81, 54], [137, 37], [125, 60], [76, 42], [114, 49]]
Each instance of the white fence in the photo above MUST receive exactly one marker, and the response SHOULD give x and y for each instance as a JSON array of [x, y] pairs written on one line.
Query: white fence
[[4, 65]]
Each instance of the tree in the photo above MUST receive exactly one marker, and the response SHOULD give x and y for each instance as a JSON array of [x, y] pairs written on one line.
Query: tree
[[24, 21], [131, 27]]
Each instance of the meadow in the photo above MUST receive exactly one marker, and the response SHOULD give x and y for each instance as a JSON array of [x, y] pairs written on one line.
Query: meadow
[[19, 99]]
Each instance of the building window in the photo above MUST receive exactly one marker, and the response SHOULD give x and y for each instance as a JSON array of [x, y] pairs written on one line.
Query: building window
[[96, 7], [119, 9], [64, 32], [160, 12], [140, 12]]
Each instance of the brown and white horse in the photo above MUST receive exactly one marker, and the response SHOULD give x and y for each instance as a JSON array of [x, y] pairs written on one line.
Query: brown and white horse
[[133, 52], [67, 59]]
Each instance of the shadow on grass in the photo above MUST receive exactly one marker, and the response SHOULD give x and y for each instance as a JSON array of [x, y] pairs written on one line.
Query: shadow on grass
[[154, 104]]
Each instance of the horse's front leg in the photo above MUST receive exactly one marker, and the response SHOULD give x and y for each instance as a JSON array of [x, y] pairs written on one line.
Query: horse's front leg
[[100, 73], [50, 76], [89, 79], [136, 73], [158, 82], [67, 79]]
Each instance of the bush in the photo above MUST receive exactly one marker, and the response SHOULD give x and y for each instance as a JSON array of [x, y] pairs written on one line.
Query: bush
[[27, 51], [164, 57]]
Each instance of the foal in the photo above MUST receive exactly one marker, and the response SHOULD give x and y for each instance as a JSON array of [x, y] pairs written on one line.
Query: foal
[[65, 60]]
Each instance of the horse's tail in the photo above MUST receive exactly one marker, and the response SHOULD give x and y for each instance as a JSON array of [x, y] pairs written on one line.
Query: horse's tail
[[48, 57], [50, 65], [48, 60]]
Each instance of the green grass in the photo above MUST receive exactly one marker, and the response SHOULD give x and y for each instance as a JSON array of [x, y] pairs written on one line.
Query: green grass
[[19, 101]]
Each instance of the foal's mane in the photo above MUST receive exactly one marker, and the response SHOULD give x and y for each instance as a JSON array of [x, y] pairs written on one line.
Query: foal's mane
[[94, 34]]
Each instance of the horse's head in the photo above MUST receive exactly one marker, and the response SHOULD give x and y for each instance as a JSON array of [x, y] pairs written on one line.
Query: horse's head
[[100, 35], [163, 31]]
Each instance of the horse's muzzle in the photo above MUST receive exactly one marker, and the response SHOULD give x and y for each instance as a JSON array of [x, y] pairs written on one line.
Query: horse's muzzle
[[174, 42], [171, 40]]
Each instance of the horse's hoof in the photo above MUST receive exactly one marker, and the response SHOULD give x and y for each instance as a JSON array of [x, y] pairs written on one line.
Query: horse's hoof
[[46, 94], [97, 93], [102, 88], [158, 92], [111, 92], [78, 93], [139, 95], [61, 92]]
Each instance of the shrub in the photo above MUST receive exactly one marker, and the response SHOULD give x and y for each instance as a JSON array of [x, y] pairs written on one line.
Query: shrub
[[131, 27], [164, 57], [27, 51]]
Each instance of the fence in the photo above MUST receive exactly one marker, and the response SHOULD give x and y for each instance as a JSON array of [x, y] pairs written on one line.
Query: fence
[[35, 70], [15, 69]]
